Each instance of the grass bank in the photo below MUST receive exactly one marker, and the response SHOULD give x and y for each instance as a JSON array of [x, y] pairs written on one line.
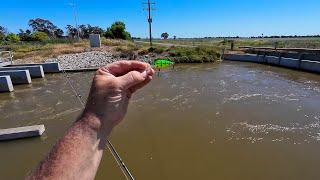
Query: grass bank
[[262, 42], [37, 52]]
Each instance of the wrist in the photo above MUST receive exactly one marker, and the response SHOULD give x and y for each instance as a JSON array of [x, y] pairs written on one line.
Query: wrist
[[96, 123]]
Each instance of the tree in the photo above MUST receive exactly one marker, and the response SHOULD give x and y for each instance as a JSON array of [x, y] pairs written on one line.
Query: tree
[[86, 30], [72, 31], [165, 35], [12, 37], [58, 33], [39, 36], [3, 32], [43, 25], [174, 37], [117, 31], [25, 35]]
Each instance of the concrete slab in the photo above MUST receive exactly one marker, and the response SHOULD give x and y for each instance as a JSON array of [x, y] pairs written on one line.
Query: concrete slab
[[5, 84], [18, 76], [272, 60], [52, 67], [35, 71], [290, 63], [95, 41], [242, 57], [313, 66], [21, 132]]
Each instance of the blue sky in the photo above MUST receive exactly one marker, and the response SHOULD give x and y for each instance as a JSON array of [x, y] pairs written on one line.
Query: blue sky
[[184, 18]]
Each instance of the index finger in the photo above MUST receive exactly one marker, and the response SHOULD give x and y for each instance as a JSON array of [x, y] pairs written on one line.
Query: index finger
[[121, 68]]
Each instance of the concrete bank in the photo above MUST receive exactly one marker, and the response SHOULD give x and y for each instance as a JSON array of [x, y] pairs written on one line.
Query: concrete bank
[[53, 67], [5, 84], [21, 132], [35, 71], [18, 76], [300, 64]]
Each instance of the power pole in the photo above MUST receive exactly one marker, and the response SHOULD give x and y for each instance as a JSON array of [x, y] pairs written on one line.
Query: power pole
[[73, 5], [150, 20]]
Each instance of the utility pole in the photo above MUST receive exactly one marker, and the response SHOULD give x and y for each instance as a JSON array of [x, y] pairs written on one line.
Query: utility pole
[[73, 5], [150, 20]]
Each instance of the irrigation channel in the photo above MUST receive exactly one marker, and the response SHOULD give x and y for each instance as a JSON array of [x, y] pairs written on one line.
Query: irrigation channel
[[229, 120]]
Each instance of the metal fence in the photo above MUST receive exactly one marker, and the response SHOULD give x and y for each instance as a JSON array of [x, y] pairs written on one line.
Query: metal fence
[[6, 57]]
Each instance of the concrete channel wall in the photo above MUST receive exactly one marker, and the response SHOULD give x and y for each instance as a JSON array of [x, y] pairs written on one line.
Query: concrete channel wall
[[18, 76], [47, 67], [301, 64], [5, 84], [22, 73], [35, 71]]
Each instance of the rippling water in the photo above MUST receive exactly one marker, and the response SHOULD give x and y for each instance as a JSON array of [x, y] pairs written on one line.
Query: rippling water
[[210, 121]]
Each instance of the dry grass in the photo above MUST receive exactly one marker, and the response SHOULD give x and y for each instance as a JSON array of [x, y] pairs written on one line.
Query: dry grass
[[39, 52]]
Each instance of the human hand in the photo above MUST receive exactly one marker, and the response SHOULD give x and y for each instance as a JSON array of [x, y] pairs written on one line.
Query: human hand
[[112, 87]]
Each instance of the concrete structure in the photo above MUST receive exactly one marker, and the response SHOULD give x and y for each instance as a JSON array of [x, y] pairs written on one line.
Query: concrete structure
[[18, 76], [95, 41], [52, 67], [21, 132], [6, 58], [5, 84], [35, 71], [306, 65]]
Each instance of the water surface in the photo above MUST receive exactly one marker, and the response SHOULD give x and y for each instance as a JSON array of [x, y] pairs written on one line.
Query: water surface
[[210, 121]]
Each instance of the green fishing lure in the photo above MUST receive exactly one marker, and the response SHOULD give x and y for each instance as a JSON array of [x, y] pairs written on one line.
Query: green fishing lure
[[162, 63]]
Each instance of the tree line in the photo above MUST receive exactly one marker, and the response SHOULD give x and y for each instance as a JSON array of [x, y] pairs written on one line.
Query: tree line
[[43, 30]]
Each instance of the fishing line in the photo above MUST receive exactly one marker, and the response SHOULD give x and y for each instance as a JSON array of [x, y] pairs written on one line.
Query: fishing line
[[124, 169]]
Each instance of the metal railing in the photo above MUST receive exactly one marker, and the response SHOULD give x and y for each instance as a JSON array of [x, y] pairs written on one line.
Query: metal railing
[[5, 57]]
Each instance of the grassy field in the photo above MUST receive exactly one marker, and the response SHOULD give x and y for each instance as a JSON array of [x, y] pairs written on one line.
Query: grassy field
[[269, 42], [39, 51], [191, 51]]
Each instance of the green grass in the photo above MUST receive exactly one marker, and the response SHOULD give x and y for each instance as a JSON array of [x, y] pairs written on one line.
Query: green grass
[[263, 42]]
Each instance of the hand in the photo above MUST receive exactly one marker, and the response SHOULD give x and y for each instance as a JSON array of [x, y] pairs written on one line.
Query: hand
[[111, 90]]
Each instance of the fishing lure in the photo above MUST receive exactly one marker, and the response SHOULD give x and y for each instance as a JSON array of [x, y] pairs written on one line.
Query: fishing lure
[[162, 63]]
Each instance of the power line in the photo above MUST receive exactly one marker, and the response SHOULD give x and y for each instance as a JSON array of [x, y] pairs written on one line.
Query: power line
[[73, 5], [149, 9]]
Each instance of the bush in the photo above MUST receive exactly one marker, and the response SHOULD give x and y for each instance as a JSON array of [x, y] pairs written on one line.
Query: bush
[[117, 31], [2, 36], [39, 36], [193, 55], [13, 37]]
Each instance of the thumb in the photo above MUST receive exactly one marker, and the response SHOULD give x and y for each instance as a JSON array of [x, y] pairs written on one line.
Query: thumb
[[132, 78]]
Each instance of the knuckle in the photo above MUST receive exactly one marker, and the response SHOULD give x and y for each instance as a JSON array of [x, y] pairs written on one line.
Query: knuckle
[[135, 76]]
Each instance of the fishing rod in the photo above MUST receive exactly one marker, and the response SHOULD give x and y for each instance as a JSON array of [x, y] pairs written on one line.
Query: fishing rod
[[124, 169]]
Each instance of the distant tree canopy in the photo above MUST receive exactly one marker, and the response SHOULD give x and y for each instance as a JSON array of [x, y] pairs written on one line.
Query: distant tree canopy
[[3, 32], [25, 35], [43, 25], [42, 30], [72, 31], [86, 30], [165, 35], [58, 33], [117, 31]]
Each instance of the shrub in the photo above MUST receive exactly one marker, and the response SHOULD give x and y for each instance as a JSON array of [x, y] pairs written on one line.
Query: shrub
[[193, 55], [117, 31], [13, 37], [39, 36]]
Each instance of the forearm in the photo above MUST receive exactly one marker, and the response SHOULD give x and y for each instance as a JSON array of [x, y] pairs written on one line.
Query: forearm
[[77, 155]]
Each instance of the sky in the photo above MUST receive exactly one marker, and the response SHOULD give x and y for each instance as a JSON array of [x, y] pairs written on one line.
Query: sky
[[183, 18]]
